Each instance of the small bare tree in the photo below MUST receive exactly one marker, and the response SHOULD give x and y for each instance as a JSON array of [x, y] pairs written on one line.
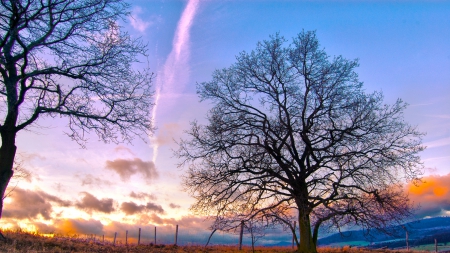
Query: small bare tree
[[69, 59], [256, 221], [292, 127], [20, 174]]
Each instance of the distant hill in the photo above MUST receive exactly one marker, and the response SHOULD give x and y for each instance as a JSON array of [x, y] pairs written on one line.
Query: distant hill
[[420, 232]]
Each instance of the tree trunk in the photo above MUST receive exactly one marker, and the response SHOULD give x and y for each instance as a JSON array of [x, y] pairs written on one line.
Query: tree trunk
[[209, 238], [7, 154], [307, 243]]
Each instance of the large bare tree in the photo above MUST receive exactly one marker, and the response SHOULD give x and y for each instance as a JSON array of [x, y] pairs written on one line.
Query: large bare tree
[[292, 128], [69, 59]]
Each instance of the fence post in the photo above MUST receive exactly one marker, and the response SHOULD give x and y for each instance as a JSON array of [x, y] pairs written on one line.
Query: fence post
[[176, 235], [407, 243], [155, 235], [435, 245], [139, 236], [103, 238], [115, 235], [240, 235], [126, 237]]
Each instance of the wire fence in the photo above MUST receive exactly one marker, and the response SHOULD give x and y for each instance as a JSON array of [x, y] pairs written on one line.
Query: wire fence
[[186, 236]]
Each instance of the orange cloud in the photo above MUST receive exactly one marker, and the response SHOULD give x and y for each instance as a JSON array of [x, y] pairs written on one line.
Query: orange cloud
[[432, 195], [79, 226]]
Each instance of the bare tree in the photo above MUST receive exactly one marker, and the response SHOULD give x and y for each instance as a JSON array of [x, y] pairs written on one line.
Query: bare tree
[[256, 231], [255, 223], [69, 59], [20, 174], [291, 126]]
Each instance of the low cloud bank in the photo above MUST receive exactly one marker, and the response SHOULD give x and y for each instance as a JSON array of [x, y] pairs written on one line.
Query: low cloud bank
[[27, 204], [432, 196]]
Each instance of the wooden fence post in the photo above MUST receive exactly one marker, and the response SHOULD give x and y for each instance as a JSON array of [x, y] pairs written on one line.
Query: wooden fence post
[[435, 246], [240, 235], [103, 238], [176, 235], [115, 235], [126, 237], [139, 236], [407, 243], [155, 235]]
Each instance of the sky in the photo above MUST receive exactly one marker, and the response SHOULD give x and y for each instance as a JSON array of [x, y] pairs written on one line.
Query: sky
[[403, 49]]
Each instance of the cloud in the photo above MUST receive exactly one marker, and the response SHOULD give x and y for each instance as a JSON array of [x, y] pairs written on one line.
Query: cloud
[[142, 195], [432, 195], [90, 203], [172, 205], [156, 219], [27, 204], [136, 21], [131, 208], [189, 221], [154, 207], [79, 226], [91, 180], [126, 168], [123, 150]]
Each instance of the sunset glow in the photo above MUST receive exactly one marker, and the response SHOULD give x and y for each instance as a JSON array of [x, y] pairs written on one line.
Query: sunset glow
[[106, 187], [431, 195]]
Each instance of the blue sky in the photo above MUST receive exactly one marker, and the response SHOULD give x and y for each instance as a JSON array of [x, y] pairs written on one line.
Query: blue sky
[[403, 48]]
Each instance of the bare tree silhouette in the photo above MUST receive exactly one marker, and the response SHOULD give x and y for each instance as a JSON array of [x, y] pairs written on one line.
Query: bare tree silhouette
[[69, 59], [292, 127]]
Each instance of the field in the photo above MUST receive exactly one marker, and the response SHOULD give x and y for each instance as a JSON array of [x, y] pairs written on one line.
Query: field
[[18, 241]]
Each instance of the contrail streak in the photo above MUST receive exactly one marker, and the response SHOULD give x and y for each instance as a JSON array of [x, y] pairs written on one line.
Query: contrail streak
[[176, 62]]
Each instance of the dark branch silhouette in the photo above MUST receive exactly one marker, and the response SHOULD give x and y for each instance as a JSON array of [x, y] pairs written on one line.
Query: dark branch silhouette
[[292, 129], [69, 59]]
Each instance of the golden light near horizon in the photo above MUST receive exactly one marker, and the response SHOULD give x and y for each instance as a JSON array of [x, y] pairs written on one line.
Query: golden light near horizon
[[429, 186], [404, 54]]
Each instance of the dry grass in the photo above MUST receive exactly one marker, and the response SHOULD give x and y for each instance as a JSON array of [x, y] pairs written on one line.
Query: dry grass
[[18, 241]]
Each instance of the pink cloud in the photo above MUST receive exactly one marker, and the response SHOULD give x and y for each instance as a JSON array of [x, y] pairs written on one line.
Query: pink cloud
[[91, 203], [128, 167]]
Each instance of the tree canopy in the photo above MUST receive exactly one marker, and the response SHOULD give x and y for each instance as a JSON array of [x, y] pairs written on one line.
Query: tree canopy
[[292, 129], [70, 59]]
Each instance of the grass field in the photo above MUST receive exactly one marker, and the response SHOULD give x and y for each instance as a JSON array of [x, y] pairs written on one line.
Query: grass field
[[18, 241], [430, 247]]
